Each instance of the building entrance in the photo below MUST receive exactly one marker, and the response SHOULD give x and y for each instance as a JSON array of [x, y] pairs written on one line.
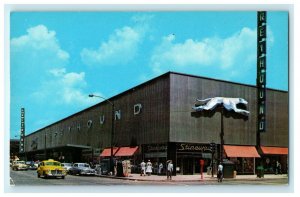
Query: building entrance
[[187, 166]]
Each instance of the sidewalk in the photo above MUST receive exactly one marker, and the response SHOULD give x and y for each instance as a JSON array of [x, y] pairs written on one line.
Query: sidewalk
[[185, 178]]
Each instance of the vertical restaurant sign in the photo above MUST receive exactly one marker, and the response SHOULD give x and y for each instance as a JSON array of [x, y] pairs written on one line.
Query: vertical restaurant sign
[[261, 69], [22, 134]]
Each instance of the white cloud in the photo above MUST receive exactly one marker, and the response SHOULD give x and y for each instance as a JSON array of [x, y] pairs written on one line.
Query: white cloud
[[38, 68], [121, 47], [209, 53], [67, 87], [41, 40]]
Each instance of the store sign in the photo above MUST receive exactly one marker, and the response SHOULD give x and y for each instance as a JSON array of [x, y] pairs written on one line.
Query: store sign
[[22, 134], [261, 70], [184, 147], [156, 148]]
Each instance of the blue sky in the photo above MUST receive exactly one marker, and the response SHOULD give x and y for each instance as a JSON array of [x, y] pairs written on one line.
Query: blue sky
[[58, 58]]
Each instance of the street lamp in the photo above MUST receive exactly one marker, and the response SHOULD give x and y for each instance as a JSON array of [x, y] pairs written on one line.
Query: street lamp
[[45, 148], [112, 130]]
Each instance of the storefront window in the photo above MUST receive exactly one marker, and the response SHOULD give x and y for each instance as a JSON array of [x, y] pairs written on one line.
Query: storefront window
[[243, 165]]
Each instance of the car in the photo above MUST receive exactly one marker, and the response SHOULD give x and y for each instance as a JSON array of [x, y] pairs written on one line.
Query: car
[[31, 165], [66, 166], [81, 169], [51, 168], [19, 165]]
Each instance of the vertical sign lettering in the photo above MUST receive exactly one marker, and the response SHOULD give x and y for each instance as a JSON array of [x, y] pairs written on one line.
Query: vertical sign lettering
[[22, 134], [261, 70]]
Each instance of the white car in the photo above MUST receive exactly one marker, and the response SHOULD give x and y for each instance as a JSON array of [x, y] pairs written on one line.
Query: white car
[[19, 165], [66, 166]]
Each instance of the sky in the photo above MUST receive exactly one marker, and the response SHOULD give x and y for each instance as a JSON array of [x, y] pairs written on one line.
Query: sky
[[58, 58]]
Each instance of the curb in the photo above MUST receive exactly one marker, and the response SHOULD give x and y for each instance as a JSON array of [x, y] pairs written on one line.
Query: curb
[[189, 180]]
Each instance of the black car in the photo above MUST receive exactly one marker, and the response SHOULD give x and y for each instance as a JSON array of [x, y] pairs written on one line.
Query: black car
[[31, 165]]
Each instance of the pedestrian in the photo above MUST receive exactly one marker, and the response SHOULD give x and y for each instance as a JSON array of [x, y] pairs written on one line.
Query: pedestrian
[[143, 168], [220, 172], [149, 168], [160, 168], [278, 168], [169, 170]]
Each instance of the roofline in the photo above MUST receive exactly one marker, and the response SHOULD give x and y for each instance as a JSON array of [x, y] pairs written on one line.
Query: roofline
[[143, 84], [220, 80]]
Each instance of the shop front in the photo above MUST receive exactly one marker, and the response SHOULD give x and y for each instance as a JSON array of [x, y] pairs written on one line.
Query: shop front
[[156, 153], [189, 156], [271, 156], [243, 158]]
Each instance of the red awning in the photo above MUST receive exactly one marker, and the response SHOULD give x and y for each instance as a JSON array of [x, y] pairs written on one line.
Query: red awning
[[106, 152], [240, 151], [126, 151], [267, 150]]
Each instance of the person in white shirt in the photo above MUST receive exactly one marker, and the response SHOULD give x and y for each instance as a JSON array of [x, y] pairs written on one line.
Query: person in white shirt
[[149, 168], [143, 168], [169, 170], [220, 172]]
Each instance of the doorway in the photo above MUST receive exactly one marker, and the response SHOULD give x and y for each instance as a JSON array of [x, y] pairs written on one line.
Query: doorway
[[187, 167]]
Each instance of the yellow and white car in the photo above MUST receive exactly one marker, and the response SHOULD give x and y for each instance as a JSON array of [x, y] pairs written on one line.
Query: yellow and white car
[[51, 168], [19, 165]]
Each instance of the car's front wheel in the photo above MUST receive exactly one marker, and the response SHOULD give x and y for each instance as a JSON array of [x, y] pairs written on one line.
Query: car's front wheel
[[44, 175], [38, 175]]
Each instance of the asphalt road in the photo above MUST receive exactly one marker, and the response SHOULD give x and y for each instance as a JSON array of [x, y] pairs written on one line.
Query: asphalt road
[[29, 178]]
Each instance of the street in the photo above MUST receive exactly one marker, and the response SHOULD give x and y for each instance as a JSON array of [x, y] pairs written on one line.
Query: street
[[29, 178]]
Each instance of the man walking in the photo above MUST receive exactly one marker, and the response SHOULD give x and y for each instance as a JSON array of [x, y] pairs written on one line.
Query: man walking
[[220, 172], [169, 170], [160, 168]]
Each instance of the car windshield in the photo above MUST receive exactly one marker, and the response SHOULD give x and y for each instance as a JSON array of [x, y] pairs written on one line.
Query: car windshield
[[66, 164], [84, 165], [52, 164]]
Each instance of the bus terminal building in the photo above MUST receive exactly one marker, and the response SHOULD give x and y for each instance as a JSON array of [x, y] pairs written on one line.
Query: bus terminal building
[[155, 121]]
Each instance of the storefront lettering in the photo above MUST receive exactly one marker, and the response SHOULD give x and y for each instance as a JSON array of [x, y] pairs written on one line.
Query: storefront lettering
[[188, 147], [157, 148]]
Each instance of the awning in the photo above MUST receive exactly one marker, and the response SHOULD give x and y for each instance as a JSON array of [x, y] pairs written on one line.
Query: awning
[[126, 151], [267, 150], [119, 151], [106, 152], [240, 151]]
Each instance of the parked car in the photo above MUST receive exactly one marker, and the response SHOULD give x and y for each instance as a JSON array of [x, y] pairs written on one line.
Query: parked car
[[19, 165], [51, 168], [81, 169], [31, 165], [66, 166]]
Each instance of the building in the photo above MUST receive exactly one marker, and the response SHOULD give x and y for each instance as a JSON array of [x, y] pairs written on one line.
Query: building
[[14, 149], [157, 117]]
